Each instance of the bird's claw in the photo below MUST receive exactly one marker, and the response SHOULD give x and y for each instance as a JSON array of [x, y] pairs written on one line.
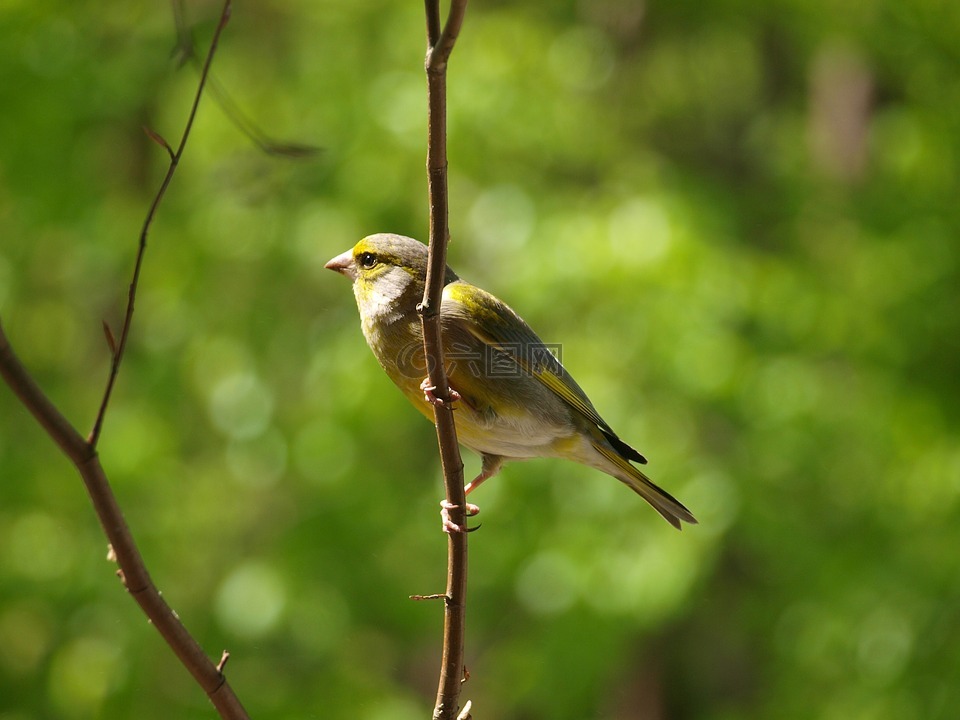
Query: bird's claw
[[430, 397], [449, 526]]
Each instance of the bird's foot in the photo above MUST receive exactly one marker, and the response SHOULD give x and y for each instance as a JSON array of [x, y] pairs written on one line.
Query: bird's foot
[[449, 526], [429, 390]]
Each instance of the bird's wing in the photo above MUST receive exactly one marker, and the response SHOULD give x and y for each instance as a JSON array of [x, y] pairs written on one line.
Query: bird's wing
[[495, 324]]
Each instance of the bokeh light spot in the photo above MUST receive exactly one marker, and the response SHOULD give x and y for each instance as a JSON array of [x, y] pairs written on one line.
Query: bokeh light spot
[[548, 584], [25, 635], [81, 675], [502, 216], [639, 231], [581, 58], [241, 406], [259, 461], [39, 546], [251, 600]]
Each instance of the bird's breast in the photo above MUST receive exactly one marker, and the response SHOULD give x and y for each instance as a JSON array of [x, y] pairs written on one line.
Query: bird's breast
[[398, 346]]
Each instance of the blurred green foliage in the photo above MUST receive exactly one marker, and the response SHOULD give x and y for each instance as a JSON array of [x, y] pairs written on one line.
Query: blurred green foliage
[[740, 219]]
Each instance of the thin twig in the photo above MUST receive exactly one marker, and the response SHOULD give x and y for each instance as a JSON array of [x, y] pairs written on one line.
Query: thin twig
[[451, 31], [185, 52], [440, 45], [246, 125], [117, 356], [83, 454], [432, 9]]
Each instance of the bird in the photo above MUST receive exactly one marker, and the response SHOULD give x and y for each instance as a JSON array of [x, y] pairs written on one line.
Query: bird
[[513, 399]]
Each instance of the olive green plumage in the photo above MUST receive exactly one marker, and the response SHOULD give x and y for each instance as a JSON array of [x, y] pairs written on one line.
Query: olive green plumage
[[516, 400]]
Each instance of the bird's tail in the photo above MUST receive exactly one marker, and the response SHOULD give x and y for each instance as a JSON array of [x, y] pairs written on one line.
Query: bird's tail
[[663, 502]]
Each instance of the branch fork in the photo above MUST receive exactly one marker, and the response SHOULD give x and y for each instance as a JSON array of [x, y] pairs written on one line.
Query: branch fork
[[82, 452]]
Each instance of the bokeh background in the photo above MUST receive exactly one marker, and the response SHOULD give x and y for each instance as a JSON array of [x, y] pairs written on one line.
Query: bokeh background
[[740, 220]]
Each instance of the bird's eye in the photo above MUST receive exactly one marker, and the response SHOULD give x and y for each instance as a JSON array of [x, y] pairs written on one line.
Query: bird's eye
[[368, 259]]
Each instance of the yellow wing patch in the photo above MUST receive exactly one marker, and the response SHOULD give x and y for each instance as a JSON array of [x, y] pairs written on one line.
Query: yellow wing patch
[[559, 386], [495, 324]]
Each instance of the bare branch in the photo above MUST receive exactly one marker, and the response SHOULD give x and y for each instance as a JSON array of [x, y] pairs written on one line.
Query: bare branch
[[440, 45], [223, 661], [243, 122], [123, 548], [443, 46], [51, 420], [159, 140], [83, 454], [432, 8], [185, 52], [111, 340], [148, 221]]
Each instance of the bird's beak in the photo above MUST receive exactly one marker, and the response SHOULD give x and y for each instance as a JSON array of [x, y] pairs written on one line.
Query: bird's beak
[[343, 264]]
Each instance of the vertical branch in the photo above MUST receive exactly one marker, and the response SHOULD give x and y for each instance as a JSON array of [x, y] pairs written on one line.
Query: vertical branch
[[118, 348], [440, 45]]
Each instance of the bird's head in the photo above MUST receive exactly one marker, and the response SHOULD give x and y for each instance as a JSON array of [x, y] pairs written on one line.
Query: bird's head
[[388, 274]]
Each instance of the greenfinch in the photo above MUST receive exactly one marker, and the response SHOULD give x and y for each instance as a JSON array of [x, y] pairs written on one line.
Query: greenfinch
[[512, 398]]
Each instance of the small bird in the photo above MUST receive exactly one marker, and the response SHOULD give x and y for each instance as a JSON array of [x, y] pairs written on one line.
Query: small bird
[[513, 399]]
